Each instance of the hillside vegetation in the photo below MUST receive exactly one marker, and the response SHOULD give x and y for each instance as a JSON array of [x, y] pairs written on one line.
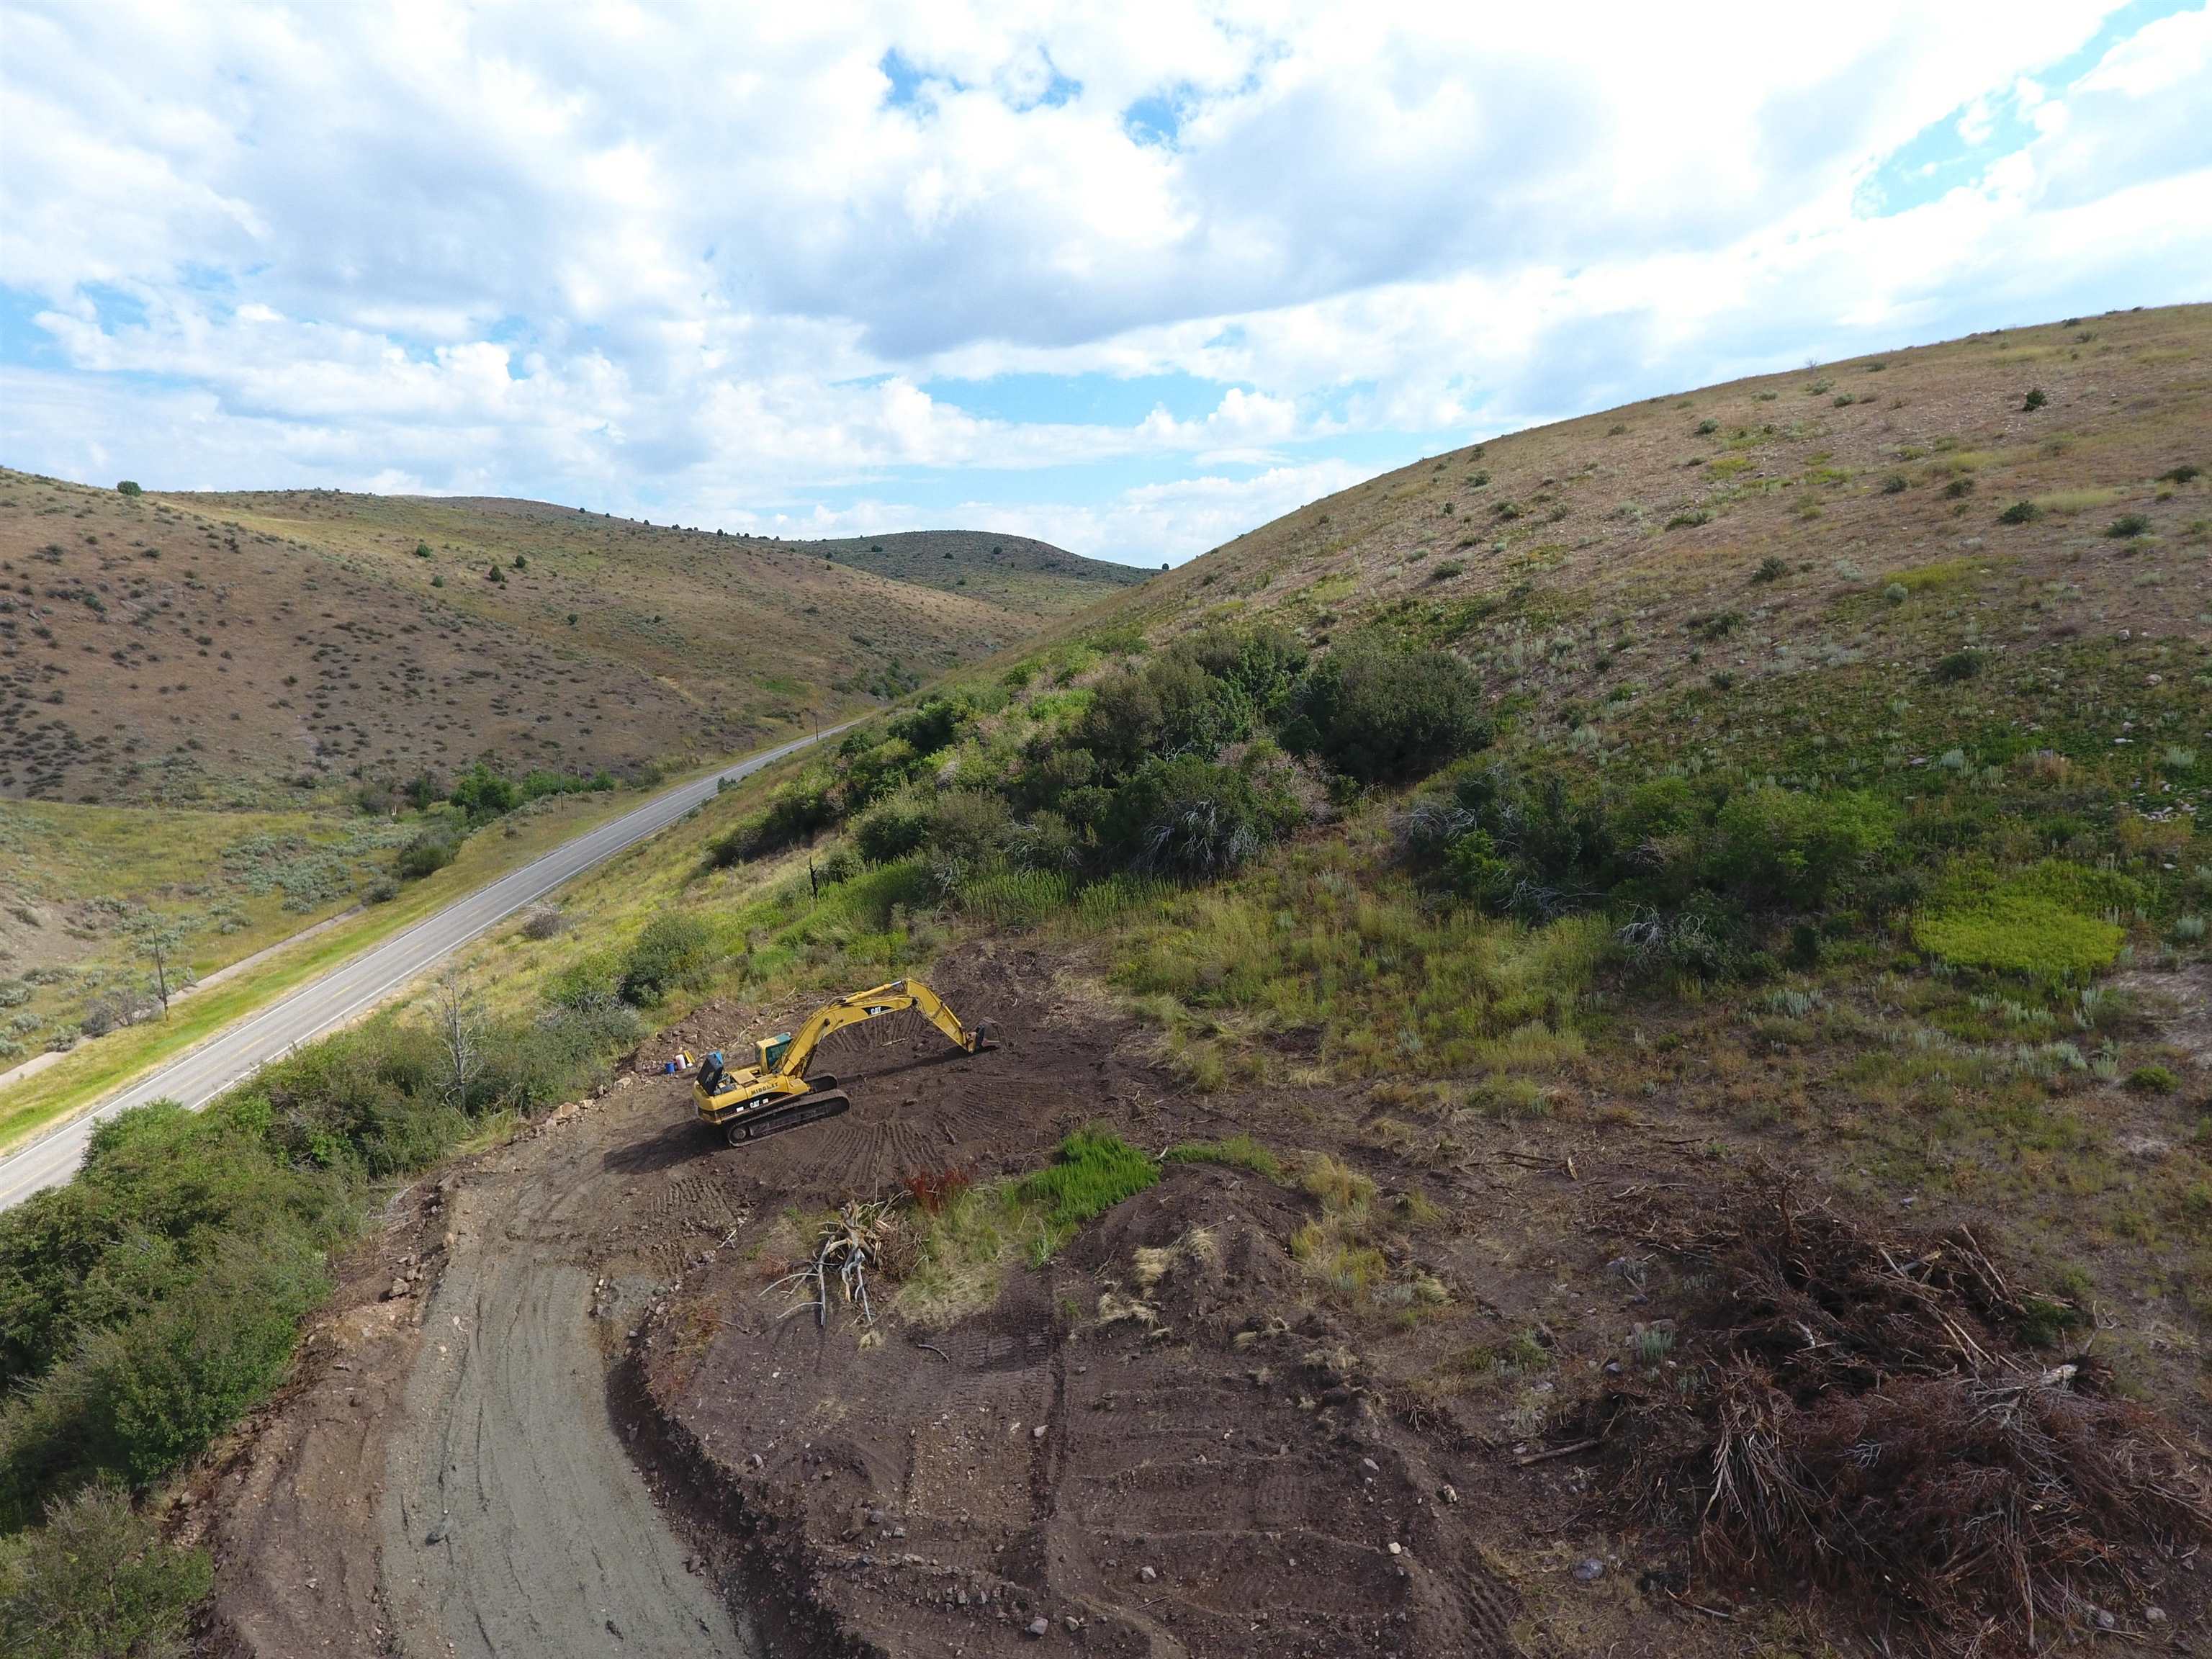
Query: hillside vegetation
[[1673, 945], [225, 650]]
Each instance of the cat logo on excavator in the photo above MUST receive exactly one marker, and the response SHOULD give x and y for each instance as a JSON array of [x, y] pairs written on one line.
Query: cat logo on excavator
[[775, 1093]]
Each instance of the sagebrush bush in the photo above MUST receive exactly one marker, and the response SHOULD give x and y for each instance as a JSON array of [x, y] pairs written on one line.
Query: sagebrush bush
[[428, 851], [671, 952], [1381, 713], [97, 1582], [1193, 820]]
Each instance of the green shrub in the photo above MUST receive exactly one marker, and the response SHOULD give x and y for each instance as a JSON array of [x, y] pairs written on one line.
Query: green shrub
[[97, 1582], [1192, 820], [482, 794], [800, 808], [2154, 1080], [1772, 845], [1770, 569], [891, 830], [2035, 400], [1123, 724], [670, 953], [1200, 713], [876, 769], [2128, 525], [184, 1370], [929, 727], [1381, 713], [1957, 666], [1535, 851], [128, 487], [967, 827], [2020, 513], [2183, 474], [429, 851]]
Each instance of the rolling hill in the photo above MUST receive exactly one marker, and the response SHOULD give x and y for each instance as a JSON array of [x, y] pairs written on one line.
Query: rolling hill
[[1600, 567], [1012, 570], [195, 650]]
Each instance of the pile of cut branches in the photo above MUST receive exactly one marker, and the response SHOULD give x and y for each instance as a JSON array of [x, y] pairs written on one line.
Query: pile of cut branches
[[1863, 1416]]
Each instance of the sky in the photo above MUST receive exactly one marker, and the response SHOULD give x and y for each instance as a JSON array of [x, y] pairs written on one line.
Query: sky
[[1130, 278]]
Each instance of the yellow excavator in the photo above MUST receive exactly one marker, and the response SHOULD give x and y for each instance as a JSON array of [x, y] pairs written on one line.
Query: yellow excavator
[[774, 1093]]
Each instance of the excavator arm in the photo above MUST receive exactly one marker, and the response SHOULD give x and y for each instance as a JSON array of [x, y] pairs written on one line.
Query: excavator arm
[[895, 998], [776, 1093]]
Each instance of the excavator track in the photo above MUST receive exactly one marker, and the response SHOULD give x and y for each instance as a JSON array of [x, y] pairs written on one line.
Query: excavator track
[[797, 1114]]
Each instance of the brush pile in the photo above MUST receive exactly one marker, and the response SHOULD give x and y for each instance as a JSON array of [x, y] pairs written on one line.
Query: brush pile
[[848, 1245], [1864, 1419]]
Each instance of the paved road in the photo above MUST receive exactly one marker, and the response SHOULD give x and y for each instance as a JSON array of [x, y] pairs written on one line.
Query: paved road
[[198, 1077]]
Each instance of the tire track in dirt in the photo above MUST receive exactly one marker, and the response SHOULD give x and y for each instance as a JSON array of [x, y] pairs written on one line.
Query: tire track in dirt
[[512, 1519]]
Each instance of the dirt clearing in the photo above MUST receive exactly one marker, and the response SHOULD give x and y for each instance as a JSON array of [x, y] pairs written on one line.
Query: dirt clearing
[[1312, 1398]]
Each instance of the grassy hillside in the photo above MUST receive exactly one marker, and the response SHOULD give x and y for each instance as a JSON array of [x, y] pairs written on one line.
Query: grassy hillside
[[1757, 528], [234, 709], [225, 650]]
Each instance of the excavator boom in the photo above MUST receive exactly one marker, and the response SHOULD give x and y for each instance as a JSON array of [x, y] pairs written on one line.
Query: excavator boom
[[775, 1093]]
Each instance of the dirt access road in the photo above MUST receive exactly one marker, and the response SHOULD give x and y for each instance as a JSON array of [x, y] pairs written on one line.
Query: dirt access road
[[447, 1476]]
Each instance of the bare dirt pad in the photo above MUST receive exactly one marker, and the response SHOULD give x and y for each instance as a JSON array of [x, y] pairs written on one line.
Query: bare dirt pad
[[1194, 1474]]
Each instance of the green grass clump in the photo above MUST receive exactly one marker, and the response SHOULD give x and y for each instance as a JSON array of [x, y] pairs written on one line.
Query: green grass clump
[[1093, 1170], [1015, 898], [2012, 931], [1942, 574], [1239, 1150]]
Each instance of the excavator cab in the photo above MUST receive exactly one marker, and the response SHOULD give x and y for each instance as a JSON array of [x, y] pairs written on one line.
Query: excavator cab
[[770, 1050]]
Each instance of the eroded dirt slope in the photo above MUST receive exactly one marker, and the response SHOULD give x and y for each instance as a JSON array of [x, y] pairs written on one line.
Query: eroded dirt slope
[[447, 1475]]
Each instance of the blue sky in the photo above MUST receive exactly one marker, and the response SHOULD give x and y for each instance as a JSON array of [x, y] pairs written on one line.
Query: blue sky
[[1132, 279]]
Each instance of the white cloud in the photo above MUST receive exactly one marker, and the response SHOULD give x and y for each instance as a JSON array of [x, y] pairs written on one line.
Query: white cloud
[[697, 254]]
